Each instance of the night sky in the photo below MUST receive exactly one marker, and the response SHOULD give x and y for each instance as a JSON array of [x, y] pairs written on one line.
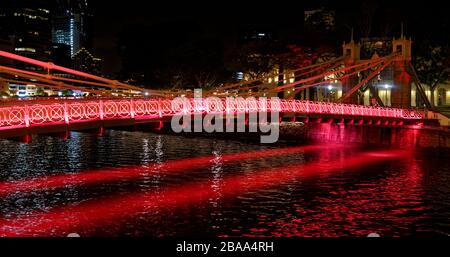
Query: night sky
[[224, 19]]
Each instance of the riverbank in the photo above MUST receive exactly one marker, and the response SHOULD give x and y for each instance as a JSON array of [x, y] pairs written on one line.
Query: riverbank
[[417, 137], [425, 138]]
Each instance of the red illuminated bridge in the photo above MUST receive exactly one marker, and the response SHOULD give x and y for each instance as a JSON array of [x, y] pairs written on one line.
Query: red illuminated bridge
[[119, 104], [29, 114]]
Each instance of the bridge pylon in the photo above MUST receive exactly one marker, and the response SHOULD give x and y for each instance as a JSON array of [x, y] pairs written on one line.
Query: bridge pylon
[[401, 90], [351, 53]]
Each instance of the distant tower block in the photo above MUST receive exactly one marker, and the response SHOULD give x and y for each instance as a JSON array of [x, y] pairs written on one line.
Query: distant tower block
[[351, 52], [401, 90]]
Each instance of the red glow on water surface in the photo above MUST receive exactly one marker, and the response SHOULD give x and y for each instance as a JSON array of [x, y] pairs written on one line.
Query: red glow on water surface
[[358, 210], [116, 174], [101, 212]]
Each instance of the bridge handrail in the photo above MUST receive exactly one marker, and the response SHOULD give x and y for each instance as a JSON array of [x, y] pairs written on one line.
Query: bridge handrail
[[71, 111]]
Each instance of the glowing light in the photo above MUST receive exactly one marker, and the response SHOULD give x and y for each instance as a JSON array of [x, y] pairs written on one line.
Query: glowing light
[[418, 125], [57, 111], [95, 213], [330, 87], [109, 175]]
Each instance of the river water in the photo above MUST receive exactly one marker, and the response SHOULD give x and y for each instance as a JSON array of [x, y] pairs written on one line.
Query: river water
[[144, 184]]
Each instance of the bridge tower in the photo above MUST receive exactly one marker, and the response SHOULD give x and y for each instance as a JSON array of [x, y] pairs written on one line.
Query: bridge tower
[[351, 53], [401, 90]]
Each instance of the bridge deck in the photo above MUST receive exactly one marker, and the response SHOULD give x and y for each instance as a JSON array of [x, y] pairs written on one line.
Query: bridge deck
[[46, 113]]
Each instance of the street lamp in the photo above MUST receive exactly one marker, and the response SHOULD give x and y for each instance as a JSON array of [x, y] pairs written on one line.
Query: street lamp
[[386, 87]]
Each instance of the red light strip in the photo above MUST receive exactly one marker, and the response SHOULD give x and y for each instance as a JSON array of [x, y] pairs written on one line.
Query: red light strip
[[337, 71], [50, 66], [81, 110], [97, 213], [309, 69], [110, 175]]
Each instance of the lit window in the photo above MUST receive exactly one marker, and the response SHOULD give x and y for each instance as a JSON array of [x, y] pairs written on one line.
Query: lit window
[[25, 49]]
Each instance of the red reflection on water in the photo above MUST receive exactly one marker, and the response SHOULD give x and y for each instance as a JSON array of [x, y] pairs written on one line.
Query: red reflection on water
[[364, 208], [110, 175], [102, 212]]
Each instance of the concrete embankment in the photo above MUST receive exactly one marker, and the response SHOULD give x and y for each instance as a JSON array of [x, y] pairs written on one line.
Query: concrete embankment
[[435, 138]]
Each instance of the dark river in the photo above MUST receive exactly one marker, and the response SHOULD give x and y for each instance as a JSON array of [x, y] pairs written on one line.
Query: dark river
[[144, 184]]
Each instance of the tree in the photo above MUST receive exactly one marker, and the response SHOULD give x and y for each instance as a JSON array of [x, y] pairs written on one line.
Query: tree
[[432, 64], [40, 91], [258, 58], [66, 92]]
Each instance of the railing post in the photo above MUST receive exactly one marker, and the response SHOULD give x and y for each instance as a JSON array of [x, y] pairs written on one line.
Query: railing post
[[66, 113], [101, 114], [26, 116], [159, 108], [132, 108]]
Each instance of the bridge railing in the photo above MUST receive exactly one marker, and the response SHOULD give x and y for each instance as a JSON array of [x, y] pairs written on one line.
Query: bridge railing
[[80, 111]]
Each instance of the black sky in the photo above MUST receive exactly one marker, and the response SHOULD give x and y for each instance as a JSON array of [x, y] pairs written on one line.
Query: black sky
[[421, 19]]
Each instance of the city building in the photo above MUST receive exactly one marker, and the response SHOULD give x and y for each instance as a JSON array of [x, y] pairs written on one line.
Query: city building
[[70, 24], [27, 25], [28, 90], [6, 44], [83, 60], [61, 55], [321, 19], [4, 88]]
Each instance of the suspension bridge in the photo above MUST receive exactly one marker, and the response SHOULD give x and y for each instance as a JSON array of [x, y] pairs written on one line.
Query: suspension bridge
[[111, 101]]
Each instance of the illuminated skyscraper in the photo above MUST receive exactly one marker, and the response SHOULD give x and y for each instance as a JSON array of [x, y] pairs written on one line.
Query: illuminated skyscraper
[[71, 24], [26, 25]]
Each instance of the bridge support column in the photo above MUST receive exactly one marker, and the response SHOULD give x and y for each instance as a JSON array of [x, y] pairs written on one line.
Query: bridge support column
[[347, 85], [351, 52], [65, 135], [26, 139], [401, 90], [100, 131]]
